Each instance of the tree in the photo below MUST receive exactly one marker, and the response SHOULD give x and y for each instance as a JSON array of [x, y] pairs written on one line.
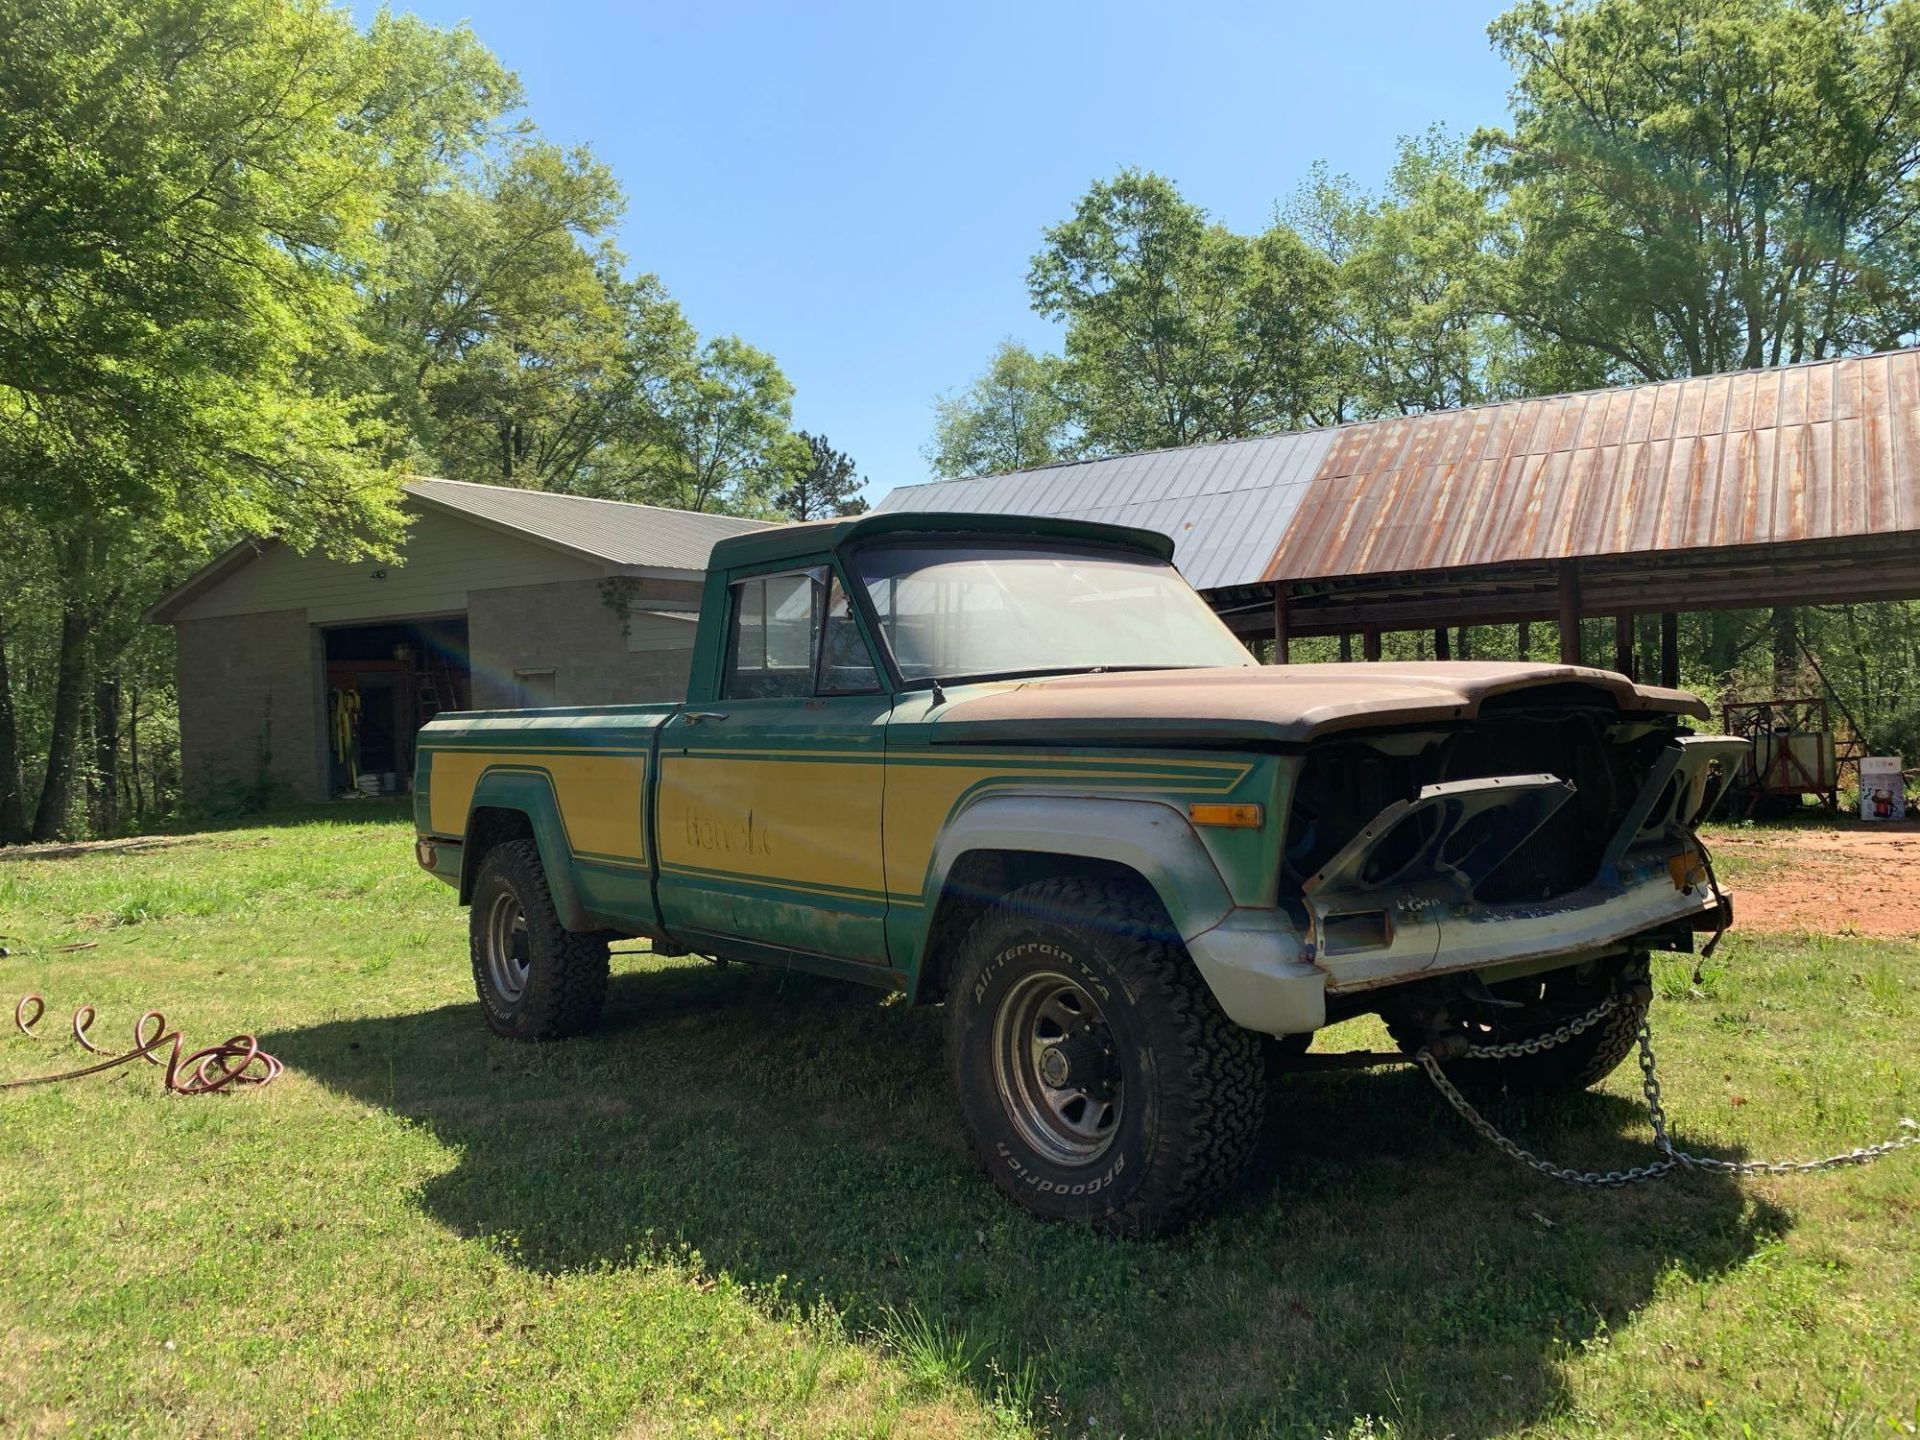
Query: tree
[[1708, 185], [1412, 327], [1178, 330], [1012, 417], [193, 192], [719, 437], [826, 485]]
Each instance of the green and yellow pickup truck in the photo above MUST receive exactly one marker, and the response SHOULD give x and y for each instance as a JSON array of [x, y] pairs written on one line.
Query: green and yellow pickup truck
[[1018, 766]]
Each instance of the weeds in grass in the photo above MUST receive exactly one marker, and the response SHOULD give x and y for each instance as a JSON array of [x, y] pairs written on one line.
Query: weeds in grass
[[934, 1356]]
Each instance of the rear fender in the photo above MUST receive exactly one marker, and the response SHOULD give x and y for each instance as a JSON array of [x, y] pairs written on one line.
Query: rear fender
[[530, 792]]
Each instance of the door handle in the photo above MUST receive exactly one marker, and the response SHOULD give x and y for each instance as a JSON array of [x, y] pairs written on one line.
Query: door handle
[[694, 717]]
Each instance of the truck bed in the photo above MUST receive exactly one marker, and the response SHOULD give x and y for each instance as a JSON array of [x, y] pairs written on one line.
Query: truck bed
[[591, 765]]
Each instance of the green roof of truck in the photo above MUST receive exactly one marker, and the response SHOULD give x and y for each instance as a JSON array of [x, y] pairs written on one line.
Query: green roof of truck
[[810, 537]]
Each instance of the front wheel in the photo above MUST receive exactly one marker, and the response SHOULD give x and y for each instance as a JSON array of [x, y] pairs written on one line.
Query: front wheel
[[537, 980], [1098, 1080]]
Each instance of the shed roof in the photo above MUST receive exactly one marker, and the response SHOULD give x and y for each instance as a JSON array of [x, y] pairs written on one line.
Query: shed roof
[[1820, 451], [624, 539], [641, 537]]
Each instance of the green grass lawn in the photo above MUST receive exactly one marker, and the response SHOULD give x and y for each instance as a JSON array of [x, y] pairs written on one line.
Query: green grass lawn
[[744, 1207]]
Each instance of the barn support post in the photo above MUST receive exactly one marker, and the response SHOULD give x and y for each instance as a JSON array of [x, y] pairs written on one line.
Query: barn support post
[[1441, 650], [1370, 643], [1346, 646], [1623, 656], [1526, 640], [1279, 624], [1569, 609], [1669, 649]]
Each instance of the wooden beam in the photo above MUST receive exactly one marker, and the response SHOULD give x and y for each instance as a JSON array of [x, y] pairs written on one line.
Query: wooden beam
[[1346, 645], [1623, 656], [1568, 609], [1279, 624], [1441, 651], [1370, 642], [1669, 649], [1526, 640]]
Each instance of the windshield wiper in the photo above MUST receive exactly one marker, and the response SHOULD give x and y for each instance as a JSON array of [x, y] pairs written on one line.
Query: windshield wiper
[[1038, 673]]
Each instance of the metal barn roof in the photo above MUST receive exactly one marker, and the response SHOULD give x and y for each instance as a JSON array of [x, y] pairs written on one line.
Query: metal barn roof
[[1819, 451]]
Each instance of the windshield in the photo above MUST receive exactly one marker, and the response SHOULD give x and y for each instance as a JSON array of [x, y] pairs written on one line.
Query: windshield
[[955, 611]]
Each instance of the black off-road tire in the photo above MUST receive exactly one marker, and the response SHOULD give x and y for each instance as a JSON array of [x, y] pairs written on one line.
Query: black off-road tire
[[1192, 1091], [565, 973], [1580, 1063]]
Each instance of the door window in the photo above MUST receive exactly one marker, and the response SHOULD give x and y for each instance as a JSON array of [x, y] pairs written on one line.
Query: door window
[[773, 634], [846, 667]]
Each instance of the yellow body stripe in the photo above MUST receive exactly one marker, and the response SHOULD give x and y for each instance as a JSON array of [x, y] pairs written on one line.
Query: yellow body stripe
[[601, 797], [800, 823]]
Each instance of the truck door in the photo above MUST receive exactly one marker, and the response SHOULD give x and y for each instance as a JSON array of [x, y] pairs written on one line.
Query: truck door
[[770, 797]]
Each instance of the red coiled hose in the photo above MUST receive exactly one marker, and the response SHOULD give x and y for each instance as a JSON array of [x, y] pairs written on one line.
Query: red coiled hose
[[232, 1062]]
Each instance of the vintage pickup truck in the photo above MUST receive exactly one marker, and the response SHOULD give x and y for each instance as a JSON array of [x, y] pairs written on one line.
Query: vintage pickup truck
[[1018, 766]]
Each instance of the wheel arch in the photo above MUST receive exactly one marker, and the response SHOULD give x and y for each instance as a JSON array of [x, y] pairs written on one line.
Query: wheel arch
[[519, 803], [1003, 843]]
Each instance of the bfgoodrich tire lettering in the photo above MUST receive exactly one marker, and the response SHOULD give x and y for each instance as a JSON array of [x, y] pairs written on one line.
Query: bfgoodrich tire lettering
[[1173, 1090], [536, 979]]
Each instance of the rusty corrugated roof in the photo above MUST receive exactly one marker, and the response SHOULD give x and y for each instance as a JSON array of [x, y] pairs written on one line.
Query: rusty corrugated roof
[[1806, 452]]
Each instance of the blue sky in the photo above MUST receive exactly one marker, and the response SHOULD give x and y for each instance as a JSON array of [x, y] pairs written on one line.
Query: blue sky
[[857, 188]]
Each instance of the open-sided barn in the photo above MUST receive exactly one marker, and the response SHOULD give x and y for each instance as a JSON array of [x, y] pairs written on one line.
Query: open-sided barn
[[1790, 486]]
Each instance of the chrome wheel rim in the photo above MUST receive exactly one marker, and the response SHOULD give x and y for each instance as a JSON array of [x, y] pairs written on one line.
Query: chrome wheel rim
[[505, 937], [1057, 1069]]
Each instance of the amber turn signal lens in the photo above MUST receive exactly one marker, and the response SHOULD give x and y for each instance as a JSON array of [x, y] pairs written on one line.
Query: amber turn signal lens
[[1687, 870], [1229, 817]]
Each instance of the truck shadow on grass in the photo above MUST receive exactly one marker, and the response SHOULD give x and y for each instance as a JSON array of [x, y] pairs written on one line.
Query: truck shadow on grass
[[795, 1132]]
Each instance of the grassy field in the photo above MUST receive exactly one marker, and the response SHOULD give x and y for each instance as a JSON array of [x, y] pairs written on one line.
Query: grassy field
[[744, 1207]]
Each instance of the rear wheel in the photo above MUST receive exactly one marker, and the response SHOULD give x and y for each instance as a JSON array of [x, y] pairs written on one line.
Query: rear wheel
[[1545, 1003], [536, 979], [1098, 1080]]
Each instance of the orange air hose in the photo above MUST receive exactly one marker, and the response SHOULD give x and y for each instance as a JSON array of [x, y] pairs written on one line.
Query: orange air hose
[[236, 1061]]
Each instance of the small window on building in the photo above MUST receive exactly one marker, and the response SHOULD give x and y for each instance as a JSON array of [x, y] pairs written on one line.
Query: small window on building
[[773, 628], [536, 689], [846, 668]]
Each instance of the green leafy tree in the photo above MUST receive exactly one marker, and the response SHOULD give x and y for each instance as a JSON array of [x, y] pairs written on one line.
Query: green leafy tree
[[1012, 417], [718, 436], [1177, 329], [190, 199], [827, 484], [1412, 327], [1708, 185]]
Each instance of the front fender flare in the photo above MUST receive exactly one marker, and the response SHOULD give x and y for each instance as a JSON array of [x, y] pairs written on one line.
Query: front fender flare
[[1251, 959], [1149, 837], [528, 790]]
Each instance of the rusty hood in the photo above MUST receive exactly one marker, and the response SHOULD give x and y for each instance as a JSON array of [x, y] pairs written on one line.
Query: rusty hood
[[1283, 703]]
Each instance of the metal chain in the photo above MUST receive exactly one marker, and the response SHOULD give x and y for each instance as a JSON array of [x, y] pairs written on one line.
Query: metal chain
[[1675, 1158], [1566, 1032]]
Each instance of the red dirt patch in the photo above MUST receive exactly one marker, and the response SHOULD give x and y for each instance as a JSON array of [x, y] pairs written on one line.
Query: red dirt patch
[[1828, 881]]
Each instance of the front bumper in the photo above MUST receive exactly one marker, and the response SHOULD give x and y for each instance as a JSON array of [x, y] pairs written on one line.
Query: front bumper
[[1266, 976]]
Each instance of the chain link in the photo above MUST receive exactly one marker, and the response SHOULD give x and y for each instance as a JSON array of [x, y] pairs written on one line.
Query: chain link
[[1673, 1159]]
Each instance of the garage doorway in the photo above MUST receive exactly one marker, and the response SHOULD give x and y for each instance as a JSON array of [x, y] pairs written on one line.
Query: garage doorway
[[383, 683]]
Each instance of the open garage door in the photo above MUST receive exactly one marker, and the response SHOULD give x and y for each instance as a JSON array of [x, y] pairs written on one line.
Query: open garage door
[[383, 683]]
